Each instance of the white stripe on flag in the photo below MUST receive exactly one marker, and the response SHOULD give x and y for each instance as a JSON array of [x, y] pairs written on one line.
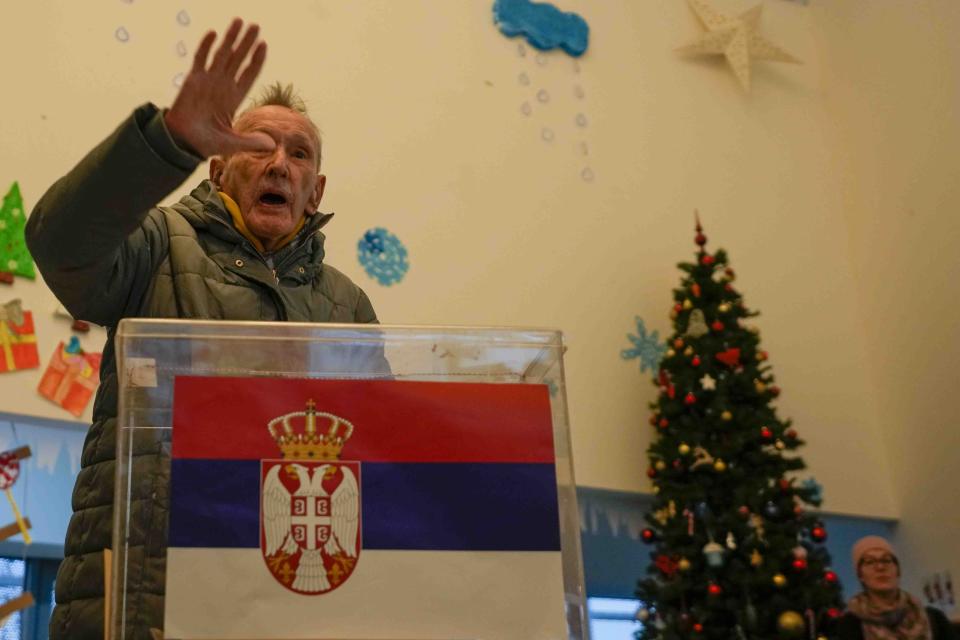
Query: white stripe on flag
[[228, 594]]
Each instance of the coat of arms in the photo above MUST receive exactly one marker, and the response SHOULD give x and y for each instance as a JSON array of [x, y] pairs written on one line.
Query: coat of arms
[[310, 503]]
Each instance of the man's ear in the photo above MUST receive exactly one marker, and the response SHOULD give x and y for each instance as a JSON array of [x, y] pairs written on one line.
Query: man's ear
[[216, 170], [317, 194]]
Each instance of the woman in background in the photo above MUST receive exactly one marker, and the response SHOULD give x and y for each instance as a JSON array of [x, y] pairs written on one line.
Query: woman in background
[[882, 611]]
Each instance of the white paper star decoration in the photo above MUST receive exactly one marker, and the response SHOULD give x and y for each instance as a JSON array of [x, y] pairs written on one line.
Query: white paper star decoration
[[738, 39], [708, 383]]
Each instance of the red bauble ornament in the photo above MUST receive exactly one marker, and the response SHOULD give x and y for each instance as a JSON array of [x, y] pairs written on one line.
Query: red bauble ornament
[[730, 357], [784, 484], [774, 391], [663, 423], [653, 420], [830, 577], [818, 533], [728, 288], [695, 288], [800, 564], [707, 259], [791, 433], [690, 398], [744, 511], [766, 433], [678, 307], [833, 612], [698, 628], [648, 535], [678, 343], [797, 510], [717, 325], [677, 464], [651, 473], [696, 361], [714, 589]]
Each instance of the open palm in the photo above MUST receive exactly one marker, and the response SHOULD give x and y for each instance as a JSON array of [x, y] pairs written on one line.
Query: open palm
[[202, 115]]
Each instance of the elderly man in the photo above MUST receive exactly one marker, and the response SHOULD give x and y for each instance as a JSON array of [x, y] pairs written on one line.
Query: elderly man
[[244, 245]]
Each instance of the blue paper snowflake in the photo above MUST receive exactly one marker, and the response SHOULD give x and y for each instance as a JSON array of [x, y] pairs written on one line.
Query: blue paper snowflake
[[815, 489], [647, 348], [383, 256]]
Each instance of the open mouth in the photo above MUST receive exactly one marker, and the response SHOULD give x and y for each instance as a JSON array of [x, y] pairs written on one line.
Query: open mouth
[[273, 199]]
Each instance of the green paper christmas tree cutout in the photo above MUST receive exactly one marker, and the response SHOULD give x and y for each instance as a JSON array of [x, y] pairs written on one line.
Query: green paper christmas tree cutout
[[14, 256]]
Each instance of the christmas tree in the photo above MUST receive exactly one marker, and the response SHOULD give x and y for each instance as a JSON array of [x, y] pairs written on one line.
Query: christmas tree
[[14, 256], [736, 555]]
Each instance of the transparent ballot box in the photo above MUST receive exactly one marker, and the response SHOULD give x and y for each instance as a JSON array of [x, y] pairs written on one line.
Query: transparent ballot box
[[349, 482]]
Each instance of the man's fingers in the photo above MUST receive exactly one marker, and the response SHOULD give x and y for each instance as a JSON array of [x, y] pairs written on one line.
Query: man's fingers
[[200, 57], [249, 75], [226, 47], [237, 57], [256, 141]]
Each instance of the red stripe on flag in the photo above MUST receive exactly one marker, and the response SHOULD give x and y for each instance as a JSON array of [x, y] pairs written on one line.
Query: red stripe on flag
[[394, 421]]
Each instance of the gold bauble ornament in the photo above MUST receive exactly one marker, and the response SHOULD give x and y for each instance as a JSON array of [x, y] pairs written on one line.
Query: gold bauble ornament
[[726, 416], [671, 353], [779, 445], [688, 351], [791, 624], [779, 581], [719, 466], [684, 448], [760, 386], [683, 564], [660, 465], [723, 308], [756, 559], [687, 304]]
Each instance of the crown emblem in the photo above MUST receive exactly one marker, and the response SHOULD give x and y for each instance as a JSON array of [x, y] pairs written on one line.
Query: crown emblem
[[299, 439]]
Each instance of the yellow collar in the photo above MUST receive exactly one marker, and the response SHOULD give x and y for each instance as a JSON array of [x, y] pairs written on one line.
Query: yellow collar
[[234, 209]]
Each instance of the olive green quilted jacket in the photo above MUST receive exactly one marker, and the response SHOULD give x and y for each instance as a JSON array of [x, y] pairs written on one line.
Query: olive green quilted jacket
[[108, 253]]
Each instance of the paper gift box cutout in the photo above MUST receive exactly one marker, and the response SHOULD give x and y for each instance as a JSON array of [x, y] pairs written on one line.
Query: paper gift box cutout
[[71, 377], [17, 339]]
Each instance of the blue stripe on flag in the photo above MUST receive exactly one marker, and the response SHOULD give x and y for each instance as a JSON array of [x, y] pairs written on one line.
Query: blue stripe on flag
[[424, 506]]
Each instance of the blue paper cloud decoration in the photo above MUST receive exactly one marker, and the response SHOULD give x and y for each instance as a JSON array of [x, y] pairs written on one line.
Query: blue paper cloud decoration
[[544, 26]]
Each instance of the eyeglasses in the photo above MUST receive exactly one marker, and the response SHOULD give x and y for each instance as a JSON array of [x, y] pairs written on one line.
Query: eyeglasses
[[878, 562]]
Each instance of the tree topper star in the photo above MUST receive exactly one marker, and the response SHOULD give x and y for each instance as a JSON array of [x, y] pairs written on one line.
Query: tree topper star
[[738, 39]]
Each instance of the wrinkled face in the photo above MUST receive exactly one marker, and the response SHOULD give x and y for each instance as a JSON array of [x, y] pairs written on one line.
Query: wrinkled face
[[878, 571], [274, 189]]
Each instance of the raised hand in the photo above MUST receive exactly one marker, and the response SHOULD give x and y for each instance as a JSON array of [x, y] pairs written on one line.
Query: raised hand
[[201, 117]]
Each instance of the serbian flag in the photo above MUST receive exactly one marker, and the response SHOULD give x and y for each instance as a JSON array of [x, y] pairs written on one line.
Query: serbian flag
[[362, 509]]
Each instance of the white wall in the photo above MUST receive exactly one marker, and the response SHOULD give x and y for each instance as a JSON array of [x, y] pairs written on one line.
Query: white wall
[[420, 103], [892, 91]]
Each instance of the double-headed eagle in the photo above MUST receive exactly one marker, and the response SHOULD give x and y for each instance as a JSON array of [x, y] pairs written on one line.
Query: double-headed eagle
[[342, 520]]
